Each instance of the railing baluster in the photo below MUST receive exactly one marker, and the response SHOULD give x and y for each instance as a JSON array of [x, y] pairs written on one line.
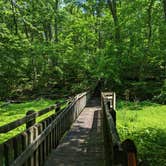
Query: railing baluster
[[24, 142], [9, 153], [17, 146], [40, 157], [113, 146], [55, 136], [32, 121], [47, 139], [30, 141], [44, 142], [36, 153], [50, 135], [58, 129], [2, 155]]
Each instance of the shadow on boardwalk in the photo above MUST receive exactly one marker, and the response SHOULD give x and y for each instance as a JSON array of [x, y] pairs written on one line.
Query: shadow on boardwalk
[[83, 144]]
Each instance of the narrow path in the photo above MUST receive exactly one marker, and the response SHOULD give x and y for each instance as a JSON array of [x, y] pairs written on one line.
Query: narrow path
[[84, 144]]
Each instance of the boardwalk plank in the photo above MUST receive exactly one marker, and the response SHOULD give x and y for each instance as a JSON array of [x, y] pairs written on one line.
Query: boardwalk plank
[[84, 144]]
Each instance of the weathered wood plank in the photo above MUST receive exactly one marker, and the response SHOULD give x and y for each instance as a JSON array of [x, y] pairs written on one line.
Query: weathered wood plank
[[34, 144], [32, 147], [17, 146], [31, 121], [44, 144], [8, 152], [56, 135], [59, 129], [51, 134], [30, 140], [25, 119], [24, 143], [83, 145], [40, 149], [108, 97], [47, 139], [2, 155], [13, 125], [36, 153]]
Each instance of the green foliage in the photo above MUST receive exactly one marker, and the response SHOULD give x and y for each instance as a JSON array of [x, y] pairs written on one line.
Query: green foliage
[[50, 46], [161, 98], [144, 122], [55, 48]]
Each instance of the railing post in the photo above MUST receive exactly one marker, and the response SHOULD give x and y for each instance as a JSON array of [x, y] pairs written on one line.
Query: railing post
[[41, 150], [27, 148], [57, 109], [111, 136], [8, 152], [1, 154], [110, 100], [32, 121], [114, 101]]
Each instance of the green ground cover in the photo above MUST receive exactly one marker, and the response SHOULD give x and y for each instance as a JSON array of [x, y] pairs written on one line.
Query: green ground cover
[[145, 123], [12, 112]]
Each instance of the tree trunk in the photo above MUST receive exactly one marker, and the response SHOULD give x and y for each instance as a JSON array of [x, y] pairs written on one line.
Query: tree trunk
[[26, 30], [113, 8], [14, 17], [45, 32], [98, 11], [164, 6], [56, 20], [149, 10], [50, 31]]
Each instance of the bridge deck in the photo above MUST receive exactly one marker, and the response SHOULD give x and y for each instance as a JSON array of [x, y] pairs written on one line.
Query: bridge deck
[[83, 145]]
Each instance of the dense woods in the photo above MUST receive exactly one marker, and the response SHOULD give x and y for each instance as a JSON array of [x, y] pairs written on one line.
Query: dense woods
[[54, 49], [63, 47]]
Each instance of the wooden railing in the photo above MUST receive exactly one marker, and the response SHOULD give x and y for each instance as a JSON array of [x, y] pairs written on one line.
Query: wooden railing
[[117, 153], [111, 137], [31, 147]]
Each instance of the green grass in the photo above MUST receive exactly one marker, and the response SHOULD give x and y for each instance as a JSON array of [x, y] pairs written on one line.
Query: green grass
[[145, 123], [12, 112]]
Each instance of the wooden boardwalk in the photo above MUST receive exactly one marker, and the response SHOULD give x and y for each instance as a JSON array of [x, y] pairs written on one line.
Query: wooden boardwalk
[[83, 145], [86, 135]]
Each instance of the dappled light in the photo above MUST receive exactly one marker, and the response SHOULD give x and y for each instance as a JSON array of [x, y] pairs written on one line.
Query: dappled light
[[62, 64]]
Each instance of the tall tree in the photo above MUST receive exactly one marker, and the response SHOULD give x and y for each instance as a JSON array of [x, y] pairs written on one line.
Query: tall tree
[[56, 19], [14, 16], [164, 7], [149, 11], [113, 8]]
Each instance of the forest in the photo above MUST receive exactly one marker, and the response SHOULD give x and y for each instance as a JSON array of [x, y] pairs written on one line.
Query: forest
[[63, 47], [53, 49]]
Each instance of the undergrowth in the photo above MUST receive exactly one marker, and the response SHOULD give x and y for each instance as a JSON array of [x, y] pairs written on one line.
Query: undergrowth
[[144, 122]]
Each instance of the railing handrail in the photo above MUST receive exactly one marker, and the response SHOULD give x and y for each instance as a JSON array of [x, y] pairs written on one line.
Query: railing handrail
[[118, 151], [110, 97], [14, 124], [43, 136], [35, 144], [112, 127]]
